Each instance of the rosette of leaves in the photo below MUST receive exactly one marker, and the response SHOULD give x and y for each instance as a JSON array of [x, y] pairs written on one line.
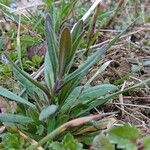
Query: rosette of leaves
[[44, 107]]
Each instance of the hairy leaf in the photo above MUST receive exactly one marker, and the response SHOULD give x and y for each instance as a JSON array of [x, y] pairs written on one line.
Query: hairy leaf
[[46, 112], [51, 43], [76, 34], [22, 76], [31, 88], [5, 117], [97, 91], [4, 92], [67, 89], [48, 73], [86, 94]]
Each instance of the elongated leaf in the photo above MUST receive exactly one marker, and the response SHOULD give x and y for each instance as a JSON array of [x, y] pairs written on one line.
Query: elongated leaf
[[76, 44], [46, 112], [51, 124], [51, 43], [93, 39], [48, 72], [101, 101], [66, 8], [67, 89], [26, 76], [65, 49], [93, 59], [5, 117], [97, 91], [69, 102], [86, 94], [99, 71], [77, 30], [89, 62], [74, 49], [77, 34], [4, 92], [30, 88], [91, 105]]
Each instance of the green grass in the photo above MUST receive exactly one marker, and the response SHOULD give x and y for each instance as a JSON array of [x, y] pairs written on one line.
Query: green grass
[[47, 106]]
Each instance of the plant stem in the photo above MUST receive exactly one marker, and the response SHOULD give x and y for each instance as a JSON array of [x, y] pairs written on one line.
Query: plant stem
[[62, 128]]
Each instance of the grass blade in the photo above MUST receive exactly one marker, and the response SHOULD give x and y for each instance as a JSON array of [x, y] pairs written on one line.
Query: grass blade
[[99, 71]]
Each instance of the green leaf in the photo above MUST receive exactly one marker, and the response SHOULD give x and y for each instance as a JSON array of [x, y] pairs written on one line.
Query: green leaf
[[99, 71], [34, 115], [46, 112], [37, 60], [76, 44], [23, 77], [69, 102], [5, 117], [74, 49], [63, 119], [67, 89], [31, 88], [88, 93], [76, 34], [48, 73], [124, 136], [97, 91], [147, 143], [89, 62], [70, 143], [12, 141], [4, 92], [101, 142], [64, 50], [66, 8], [77, 30], [51, 43], [51, 124], [56, 146]]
